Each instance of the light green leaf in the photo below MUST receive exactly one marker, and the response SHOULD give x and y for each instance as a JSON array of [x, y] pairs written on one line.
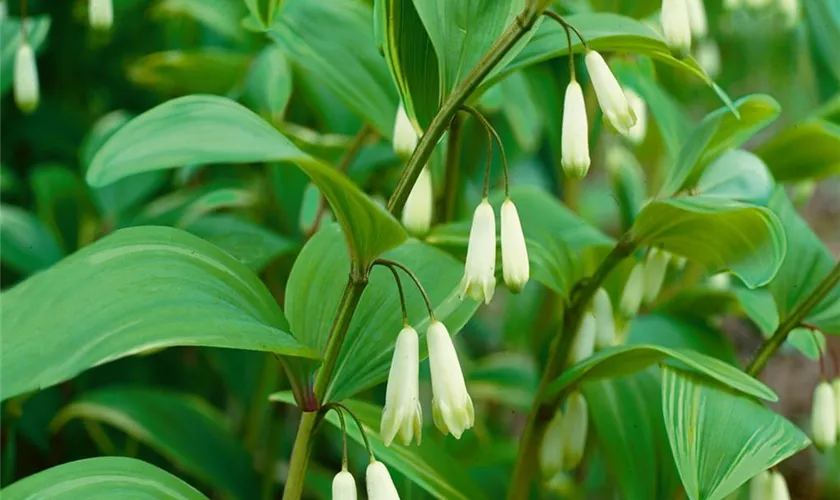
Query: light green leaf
[[315, 287], [522, 110], [737, 175], [201, 71], [718, 132], [134, 290], [809, 150], [823, 21], [332, 42], [628, 359], [209, 129], [214, 200], [680, 333], [10, 38], [26, 245], [807, 264], [719, 234], [254, 245], [269, 83], [102, 478], [428, 465], [183, 428], [720, 439]]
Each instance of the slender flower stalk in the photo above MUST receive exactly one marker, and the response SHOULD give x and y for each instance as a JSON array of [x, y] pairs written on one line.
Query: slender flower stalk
[[584, 343], [604, 319], [575, 425], [344, 486], [823, 417], [676, 26], [637, 132], [515, 266], [418, 211], [479, 280], [403, 414], [452, 406], [26, 88], [634, 289], [610, 96], [380, 486], [101, 14], [405, 137], [575, 140]]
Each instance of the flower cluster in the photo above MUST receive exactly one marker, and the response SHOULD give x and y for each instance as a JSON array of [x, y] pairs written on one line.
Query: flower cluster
[[825, 414], [646, 280], [564, 441]]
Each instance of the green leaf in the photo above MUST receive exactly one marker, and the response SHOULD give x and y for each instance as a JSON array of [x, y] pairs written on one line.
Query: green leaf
[[522, 110], [411, 58], [254, 245], [134, 290], [680, 333], [209, 129], [807, 264], [203, 71], [737, 175], [628, 359], [718, 132], [333, 43], [269, 83], [809, 150], [61, 201], [10, 38], [221, 16], [102, 478], [213, 200], [557, 239], [315, 288], [183, 428], [26, 245], [427, 464], [720, 439], [505, 378], [823, 21], [719, 234]]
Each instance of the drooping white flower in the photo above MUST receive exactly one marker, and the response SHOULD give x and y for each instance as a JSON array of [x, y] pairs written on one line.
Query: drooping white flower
[[515, 266], [26, 87], [835, 386], [655, 269], [823, 417], [610, 96], [760, 485], [419, 207], [719, 281], [380, 486], [575, 425], [344, 486], [479, 280], [697, 19], [584, 343], [790, 11], [551, 447], [637, 132], [604, 319], [403, 414], [575, 140], [405, 137], [778, 487], [101, 14], [676, 26], [708, 57], [452, 406], [634, 289]]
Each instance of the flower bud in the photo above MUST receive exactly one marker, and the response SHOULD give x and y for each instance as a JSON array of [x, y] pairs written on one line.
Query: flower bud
[[697, 19], [26, 79], [380, 486], [604, 319], [790, 11], [551, 447], [823, 417], [479, 280], [760, 485], [708, 57], [575, 140], [418, 210], [634, 289], [778, 487], [101, 14], [719, 281], [610, 96], [655, 269], [676, 26], [584, 342], [405, 137], [835, 386], [452, 407], [344, 486], [575, 425], [403, 414], [637, 132], [515, 267]]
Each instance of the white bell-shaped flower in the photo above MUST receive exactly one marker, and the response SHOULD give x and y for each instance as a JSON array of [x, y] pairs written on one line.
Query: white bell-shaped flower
[[101, 14], [778, 487], [634, 290], [655, 269], [835, 386], [708, 57], [604, 319], [419, 207], [823, 417], [575, 426], [610, 95], [760, 485], [697, 19], [584, 343], [676, 26], [515, 267], [380, 486], [452, 406], [719, 281], [637, 132], [551, 447], [344, 486], [575, 140], [26, 88], [403, 414], [479, 280], [405, 137]]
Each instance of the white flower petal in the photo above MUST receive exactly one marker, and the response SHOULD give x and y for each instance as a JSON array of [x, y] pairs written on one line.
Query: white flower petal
[[634, 289], [26, 89], [419, 207], [676, 26], [479, 280], [637, 132], [344, 486], [610, 96], [405, 137], [575, 140], [515, 266], [452, 406], [380, 486], [823, 417], [402, 414], [101, 14]]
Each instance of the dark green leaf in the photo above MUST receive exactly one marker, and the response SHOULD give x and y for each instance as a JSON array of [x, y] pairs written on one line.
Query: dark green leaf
[[269, 84], [60, 201], [26, 245], [809, 150], [175, 72], [522, 110], [823, 20], [221, 16], [254, 245]]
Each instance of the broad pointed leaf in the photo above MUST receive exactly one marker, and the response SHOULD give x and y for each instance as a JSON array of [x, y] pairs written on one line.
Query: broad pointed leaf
[[26, 245], [737, 175], [809, 150]]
